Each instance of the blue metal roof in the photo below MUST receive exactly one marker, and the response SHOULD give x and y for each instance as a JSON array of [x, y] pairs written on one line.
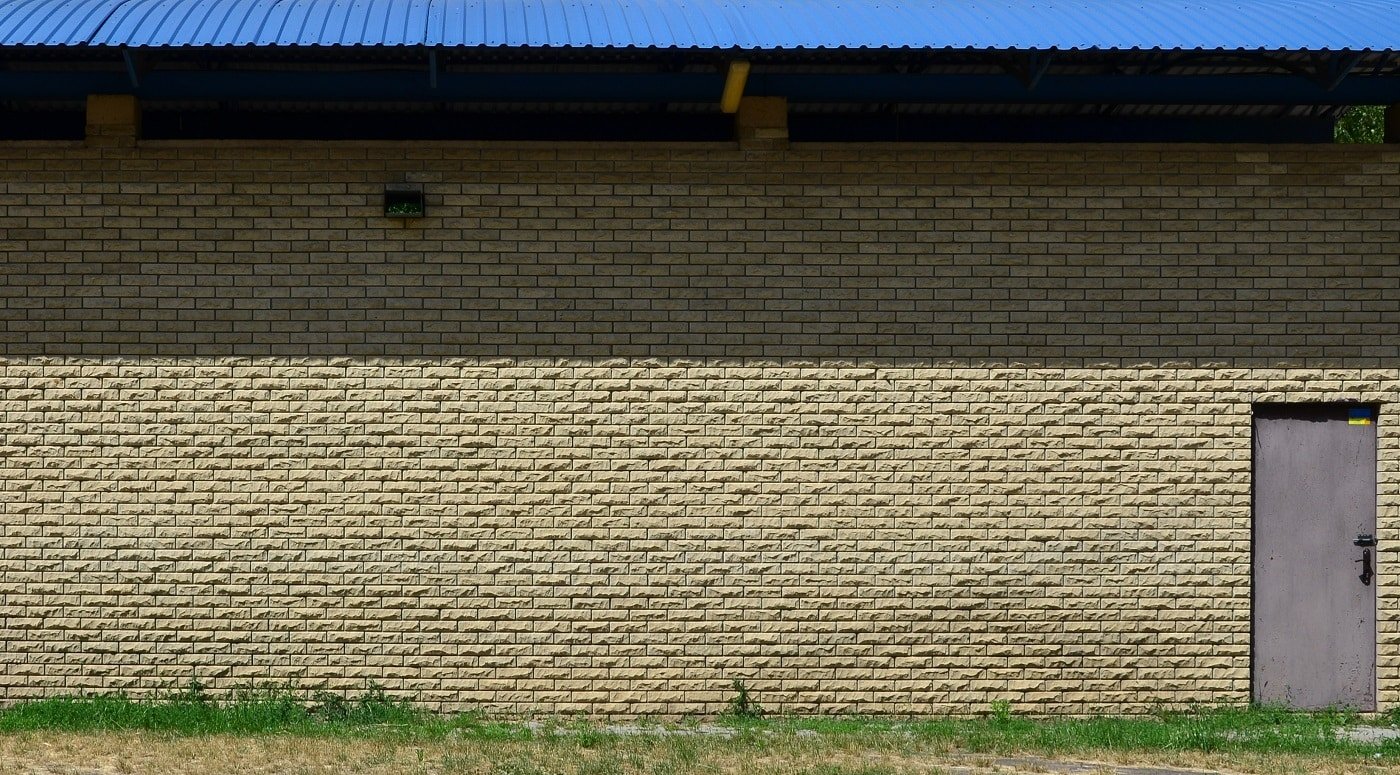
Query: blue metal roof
[[1292, 25]]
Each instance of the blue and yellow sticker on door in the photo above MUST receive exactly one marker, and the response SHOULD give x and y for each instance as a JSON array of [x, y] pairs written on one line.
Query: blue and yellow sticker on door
[[1359, 415]]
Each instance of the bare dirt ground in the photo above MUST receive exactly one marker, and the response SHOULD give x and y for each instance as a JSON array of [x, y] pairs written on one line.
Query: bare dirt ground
[[52, 753]]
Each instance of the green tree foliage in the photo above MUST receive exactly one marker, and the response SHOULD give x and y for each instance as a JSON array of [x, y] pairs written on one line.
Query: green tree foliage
[[1362, 124]]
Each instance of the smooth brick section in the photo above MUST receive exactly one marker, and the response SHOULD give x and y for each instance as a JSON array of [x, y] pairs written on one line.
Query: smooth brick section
[[878, 429]]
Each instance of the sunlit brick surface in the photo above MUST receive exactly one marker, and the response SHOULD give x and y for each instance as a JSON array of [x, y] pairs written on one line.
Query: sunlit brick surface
[[876, 429]]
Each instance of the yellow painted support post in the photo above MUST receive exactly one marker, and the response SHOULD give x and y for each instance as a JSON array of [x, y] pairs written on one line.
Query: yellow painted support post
[[762, 123], [113, 119], [734, 82]]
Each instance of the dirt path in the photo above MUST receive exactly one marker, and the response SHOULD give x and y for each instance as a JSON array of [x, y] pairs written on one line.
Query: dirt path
[[148, 754]]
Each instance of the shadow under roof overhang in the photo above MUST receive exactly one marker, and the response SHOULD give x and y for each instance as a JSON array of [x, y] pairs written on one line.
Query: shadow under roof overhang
[[694, 76], [1306, 59]]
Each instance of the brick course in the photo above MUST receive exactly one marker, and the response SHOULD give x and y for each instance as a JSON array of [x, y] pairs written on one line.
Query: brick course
[[879, 429]]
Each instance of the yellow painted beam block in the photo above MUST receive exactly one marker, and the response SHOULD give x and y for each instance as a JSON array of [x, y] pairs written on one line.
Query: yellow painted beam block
[[113, 117], [734, 86], [762, 123]]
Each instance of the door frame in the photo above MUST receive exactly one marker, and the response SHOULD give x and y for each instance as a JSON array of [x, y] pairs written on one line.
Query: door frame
[[1297, 408]]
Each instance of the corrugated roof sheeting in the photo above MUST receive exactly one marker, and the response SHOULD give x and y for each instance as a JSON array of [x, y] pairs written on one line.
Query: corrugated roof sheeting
[[265, 23], [1295, 25], [52, 22]]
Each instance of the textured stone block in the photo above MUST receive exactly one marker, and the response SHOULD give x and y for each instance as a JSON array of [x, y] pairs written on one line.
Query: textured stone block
[[879, 429]]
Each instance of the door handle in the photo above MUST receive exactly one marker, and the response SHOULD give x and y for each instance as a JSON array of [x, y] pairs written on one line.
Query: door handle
[[1366, 573]]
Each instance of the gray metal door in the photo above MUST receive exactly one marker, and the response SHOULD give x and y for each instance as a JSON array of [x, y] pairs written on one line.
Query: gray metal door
[[1314, 555]]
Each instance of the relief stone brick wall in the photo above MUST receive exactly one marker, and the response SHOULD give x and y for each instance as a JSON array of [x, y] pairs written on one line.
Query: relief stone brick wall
[[877, 429]]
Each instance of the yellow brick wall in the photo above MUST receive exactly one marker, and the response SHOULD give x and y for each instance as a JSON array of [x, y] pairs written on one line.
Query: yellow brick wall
[[878, 429]]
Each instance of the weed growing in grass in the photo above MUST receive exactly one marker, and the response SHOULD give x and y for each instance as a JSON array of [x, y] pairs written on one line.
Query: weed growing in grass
[[195, 693], [742, 706], [329, 706], [1001, 711]]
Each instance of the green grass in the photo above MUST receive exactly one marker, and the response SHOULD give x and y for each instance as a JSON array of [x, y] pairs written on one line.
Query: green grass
[[1207, 730], [374, 713], [248, 711]]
